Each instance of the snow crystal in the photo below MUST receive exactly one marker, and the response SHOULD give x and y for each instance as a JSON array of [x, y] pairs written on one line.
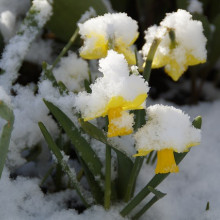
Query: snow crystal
[[9, 16], [115, 82], [23, 199], [88, 14], [72, 71], [4, 97], [18, 46], [188, 32], [40, 50], [124, 144], [195, 6], [125, 121], [117, 30], [108, 6], [117, 25], [167, 127], [29, 109], [7, 24], [17, 7]]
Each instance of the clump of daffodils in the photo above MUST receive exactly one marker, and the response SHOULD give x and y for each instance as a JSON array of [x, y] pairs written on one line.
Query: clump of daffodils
[[72, 71], [182, 43], [114, 94], [167, 130], [110, 31]]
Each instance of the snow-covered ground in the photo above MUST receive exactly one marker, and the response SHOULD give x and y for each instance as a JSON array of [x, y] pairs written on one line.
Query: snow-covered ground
[[187, 191], [22, 199]]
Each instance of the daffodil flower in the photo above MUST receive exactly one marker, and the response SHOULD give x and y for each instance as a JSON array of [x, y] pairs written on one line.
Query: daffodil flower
[[185, 48], [114, 94], [167, 130], [110, 31]]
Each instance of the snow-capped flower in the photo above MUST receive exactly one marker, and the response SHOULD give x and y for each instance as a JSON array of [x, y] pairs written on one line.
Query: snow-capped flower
[[113, 94], [72, 71], [186, 48], [168, 129], [110, 31]]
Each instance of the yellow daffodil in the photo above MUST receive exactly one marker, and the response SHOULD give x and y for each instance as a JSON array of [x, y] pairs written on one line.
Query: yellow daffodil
[[167, 130], [114, 94], [185, 47], [110, 31]]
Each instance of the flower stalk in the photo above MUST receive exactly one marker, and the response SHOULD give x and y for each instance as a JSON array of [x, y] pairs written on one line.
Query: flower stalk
[[133, 177], [107, 196], [150, 57]]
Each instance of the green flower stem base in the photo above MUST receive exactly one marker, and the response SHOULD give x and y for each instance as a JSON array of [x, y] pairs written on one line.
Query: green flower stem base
[[158, 178], [107, 199], [66, 48], [134, 173]]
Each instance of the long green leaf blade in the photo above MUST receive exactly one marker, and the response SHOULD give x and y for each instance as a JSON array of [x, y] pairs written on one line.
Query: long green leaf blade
[[7, 114], [54, 148], [100, 135], [158, 178], [125, 164], [82, 147]]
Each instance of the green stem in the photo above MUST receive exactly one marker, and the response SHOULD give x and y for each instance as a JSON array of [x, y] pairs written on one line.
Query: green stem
[[172, 36], [158, 178], [139, 118], [150, 57], [145, 208], [149, 157], [134, 173], [154, 157], [48, 173], [107, 199], [155, 181], [66, 48]]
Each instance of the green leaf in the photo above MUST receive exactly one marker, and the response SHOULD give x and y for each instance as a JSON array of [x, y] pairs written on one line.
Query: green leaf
[[82, 147], [139, 118], [100, 135], [125, 164], [157, 179], [145, 208], [158, 195], [207, 206], [124, 171], [197, 122], [93, 183], [7, 114], [132, 178], [56, 151], [87, 86], [156, 192], [66, 14]]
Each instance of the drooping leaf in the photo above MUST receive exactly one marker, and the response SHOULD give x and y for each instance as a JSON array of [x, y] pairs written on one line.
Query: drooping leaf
[[156, 192]]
